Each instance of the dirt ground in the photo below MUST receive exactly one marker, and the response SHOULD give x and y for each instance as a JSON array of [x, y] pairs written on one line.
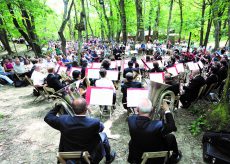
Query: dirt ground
[[26, 138]]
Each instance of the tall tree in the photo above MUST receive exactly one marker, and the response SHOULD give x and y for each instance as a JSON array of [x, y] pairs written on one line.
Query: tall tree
[[169, 20], [3, 37], [209, 25], [123, 20], [88, 20], [181, 18], [140, 36], [107, 20], [157, 20], [202, 22], [66, 17], [28, 23], [228, 26]]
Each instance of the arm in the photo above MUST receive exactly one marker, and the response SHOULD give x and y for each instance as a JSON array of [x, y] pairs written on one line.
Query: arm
[[169, 125], [101, 127], [51, 118]]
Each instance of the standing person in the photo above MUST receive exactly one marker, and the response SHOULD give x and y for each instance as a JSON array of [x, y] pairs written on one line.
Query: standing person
[[151, 135], [81, 133]]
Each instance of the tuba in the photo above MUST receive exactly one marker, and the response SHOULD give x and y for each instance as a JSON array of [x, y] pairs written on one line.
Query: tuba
[[157, 94]]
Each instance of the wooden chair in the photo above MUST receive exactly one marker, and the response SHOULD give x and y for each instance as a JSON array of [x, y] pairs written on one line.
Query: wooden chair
[[61, 156], [159, 154], [35, 87]]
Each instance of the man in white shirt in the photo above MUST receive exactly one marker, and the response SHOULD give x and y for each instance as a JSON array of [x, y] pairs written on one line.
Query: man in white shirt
[[104, 82], [19, 67], [37, 77]]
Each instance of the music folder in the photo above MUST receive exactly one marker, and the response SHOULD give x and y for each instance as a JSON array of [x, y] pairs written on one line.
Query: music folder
[[62, 70], [112, 75], [96, 65], [134, 95], [93, 73], [172, 70], [73, 69], [157, 77], [180, 67], [99, 96]]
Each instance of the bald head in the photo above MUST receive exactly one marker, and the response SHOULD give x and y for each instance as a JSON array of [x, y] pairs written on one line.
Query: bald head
[[79, 106], [145, 106]]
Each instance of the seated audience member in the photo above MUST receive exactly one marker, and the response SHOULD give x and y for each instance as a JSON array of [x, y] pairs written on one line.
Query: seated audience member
[[129, 69], [66, 62], [8, 65], [128, 84], [37, 77], [6, 76], [149, 135], [28, 65], [174, 85], [81, 133], [53, 80], [104, 82], [192, 90], [49, 63], [156, 67], [19, 67]]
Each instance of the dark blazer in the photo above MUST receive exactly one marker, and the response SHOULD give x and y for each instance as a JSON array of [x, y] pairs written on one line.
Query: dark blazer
[[175, 88], [194, 86], [148, 136], [129, 69], [53, 81], [78, 133], [156, 70], [222, 74]]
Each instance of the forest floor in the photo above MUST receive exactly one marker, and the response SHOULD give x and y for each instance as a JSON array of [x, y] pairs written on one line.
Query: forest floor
[[26, 138]]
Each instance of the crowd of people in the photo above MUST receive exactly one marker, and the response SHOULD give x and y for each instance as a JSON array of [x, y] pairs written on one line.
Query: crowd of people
[[80, 133]]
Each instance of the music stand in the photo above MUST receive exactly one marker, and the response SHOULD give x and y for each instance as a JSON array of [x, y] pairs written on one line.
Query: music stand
[[96, 65], [135, 95], [93, 73], [157, 77], [73, 69], [180, 67], [172, 70], [112, 75]]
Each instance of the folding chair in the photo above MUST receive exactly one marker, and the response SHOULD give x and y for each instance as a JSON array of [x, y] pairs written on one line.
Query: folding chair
[[50, 92], [159, 154], [62, 156], [18, 76], [35, 88]]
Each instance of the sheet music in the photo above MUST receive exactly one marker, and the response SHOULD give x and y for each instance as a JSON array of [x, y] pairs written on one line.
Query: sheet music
[[93, 73], [192, 66], [62, 70], [180, 67], [112, 75], [196, 66], [101, 96], [118, 62], [96, 65], [149, 64], [113, 64], [73, 69], [160, 63], [135, 95], [172, 70], [157, 77]]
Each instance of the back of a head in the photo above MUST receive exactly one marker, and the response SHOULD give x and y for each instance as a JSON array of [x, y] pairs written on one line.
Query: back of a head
[[76, 74], [105, 63], [155, 64], [130, 64], [50, 70], [102, 72], [168, 78], [129, 76], [145, 106], [134, 59], [79, 106]]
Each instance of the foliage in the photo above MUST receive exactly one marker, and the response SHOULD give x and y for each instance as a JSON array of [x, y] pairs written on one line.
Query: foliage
[[197, 125], [1, 116]]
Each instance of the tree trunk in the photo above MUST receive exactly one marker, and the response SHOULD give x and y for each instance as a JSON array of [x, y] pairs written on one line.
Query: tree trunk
[[140, 36], [169, 21], [228, 26], [63, 25], [71, 34], [156, 26], [181, 19], [150, 19], [118, 36], [88, 20], [28, 22], [208, 29], [4, 38], [107, 21], [123, 20], [202, 22]]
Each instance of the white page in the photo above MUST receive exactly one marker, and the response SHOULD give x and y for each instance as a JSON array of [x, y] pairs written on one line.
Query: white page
[[93, 73], [160, 63], [135, 95], [196, 66], [180, 67], [73, 69], [149, 64], [172, 70], [191, 66], [157, 77], [96, 65], [118, 62], [101, 96], [112, 75], [62, 70], [113, 64]]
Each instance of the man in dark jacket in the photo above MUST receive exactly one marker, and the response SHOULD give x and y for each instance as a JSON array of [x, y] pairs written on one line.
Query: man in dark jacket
[[53, 80], [128, 84], [81, 133], [151, 135], [129, 69], [192, 90]]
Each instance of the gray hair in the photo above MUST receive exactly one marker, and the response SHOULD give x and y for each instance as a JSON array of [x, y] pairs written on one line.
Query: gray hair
[[145, 106]]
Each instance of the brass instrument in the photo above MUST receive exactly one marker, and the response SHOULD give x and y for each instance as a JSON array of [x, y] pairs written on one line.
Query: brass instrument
[[157, 94]]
